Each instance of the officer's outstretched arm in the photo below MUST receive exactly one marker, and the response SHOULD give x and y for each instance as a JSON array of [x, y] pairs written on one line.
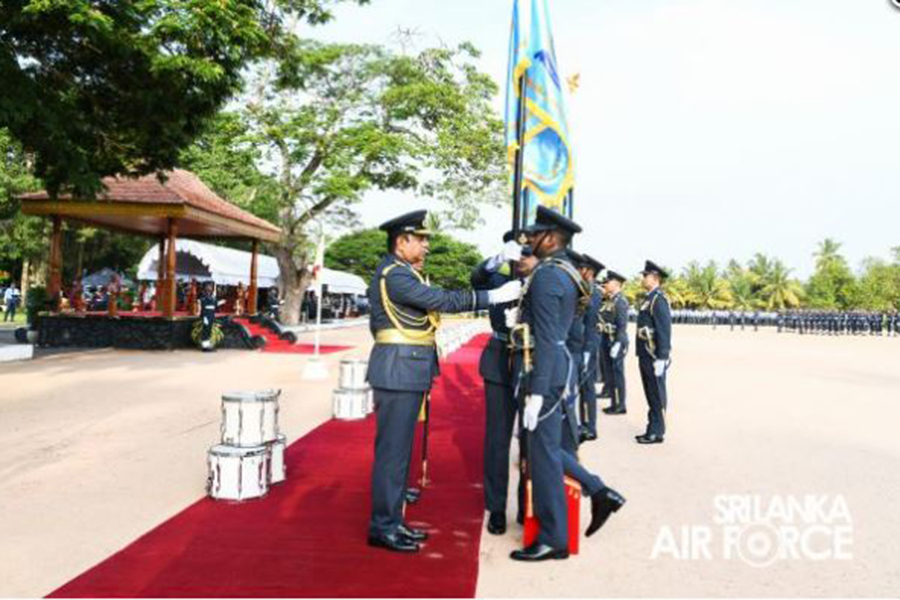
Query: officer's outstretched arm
[[405, 288], [662, 321]]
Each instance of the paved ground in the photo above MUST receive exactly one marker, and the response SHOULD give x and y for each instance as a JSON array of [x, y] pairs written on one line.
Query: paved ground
[[100, 447]]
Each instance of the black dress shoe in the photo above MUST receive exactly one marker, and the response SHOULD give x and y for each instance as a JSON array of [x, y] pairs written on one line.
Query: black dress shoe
[[589, 436], [649, 438], [497, 523], [393, 542], [413, 535], [538, 552], [412, 495], [614, 410], [603, 504]]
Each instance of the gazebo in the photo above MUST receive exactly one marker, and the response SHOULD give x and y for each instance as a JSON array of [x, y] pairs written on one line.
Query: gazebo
[[181, 205], [177, 204]]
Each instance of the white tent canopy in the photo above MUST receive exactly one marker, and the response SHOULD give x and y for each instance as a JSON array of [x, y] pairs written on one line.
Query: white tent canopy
[[226, 266]]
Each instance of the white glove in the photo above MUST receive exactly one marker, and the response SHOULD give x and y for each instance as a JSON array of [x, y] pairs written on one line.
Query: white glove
[[507, 292], [533, 405], [205, 321], [587, 359], [659, 367], [512, 316], [511, 251], [614, 351]]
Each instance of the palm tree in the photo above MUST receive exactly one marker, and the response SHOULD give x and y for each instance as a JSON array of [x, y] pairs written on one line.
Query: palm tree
[[707, 289], [827, 253], [782, 292], [677, 292], [761, 267]]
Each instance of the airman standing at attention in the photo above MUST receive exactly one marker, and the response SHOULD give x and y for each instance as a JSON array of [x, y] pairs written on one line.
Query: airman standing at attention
[[654, 343], [615, 315], [590, 268]]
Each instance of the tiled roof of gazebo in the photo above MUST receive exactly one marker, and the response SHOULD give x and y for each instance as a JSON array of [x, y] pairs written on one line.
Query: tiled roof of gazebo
[[144, 204]]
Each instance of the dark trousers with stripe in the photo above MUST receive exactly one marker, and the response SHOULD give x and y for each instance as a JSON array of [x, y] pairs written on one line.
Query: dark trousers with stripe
[[589, 394], [618, 380], [396, 415], [500, 416], [548, 489], [590, 483], [655, 391]]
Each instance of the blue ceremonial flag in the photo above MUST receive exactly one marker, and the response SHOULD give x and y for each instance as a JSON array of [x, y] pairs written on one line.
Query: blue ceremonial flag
[[547, 169]]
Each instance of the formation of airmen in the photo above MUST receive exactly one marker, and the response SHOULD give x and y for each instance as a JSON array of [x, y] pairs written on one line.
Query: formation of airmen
[[555, 327], [840, 322], [803, 321]]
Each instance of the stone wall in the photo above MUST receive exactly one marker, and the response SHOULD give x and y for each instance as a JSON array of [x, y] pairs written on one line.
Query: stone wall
[[133, 332]]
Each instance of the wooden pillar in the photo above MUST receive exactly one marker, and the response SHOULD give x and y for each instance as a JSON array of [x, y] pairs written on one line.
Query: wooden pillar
[[251, 294], [169, 303], [54, 281], [161, 274]]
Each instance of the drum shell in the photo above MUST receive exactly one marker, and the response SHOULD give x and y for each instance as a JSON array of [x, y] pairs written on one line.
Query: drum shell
[[277, 469], [237, 473], [249, 419], [352, 375], [350, 405]]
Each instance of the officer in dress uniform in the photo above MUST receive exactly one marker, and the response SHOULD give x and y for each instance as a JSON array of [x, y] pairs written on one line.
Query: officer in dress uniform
[[546, 312], [615, 316], [654, 342], [590, 268], [495, 368], [402, 365]]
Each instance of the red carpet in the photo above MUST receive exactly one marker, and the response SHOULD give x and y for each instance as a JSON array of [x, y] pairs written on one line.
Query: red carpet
[[307, 538], [273, 344]]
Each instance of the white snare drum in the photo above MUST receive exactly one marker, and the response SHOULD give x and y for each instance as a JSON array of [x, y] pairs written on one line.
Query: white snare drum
[[238, 473], [350, 404], [277, 472], [250, 418], [353, 374]]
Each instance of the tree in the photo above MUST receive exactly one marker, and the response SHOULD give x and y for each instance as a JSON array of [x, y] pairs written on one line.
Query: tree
[[103, 88], [22, 238], [879, 285], [358, 252], [449, 264], [743, 285], [335, 121], [781, 292], [706, 290], [832, 285]]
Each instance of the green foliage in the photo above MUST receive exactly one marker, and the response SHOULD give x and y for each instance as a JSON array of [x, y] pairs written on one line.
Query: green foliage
[[832, 285], [705, 289], [102, 88], [21, 237], [333, 121], [449, 263], [36, 301], [358, 253]]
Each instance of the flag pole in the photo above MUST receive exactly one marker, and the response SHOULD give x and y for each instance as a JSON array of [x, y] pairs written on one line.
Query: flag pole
[[318, 307], [520, 216], [315, 369]]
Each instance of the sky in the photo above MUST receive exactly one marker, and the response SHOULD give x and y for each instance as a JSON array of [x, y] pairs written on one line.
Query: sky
[[702, 129]]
